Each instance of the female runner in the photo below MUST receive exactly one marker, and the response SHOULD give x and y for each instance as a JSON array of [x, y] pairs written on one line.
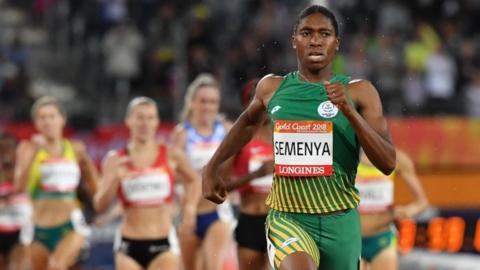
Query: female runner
[[141, 174], [15, 211], [198, 136], [51, 168], [377, 213]]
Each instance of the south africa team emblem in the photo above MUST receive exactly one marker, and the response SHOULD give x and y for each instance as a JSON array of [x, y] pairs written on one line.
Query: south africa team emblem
[[327, 109]]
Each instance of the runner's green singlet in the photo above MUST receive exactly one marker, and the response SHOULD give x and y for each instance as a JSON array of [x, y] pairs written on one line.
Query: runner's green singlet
[[315, 149]]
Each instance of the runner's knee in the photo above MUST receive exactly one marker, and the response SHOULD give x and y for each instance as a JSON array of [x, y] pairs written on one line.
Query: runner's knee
[[298, 260]]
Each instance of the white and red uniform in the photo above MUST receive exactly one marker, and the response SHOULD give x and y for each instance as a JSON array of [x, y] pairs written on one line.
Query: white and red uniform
[[250, 158], [15, 209], [147, 187]]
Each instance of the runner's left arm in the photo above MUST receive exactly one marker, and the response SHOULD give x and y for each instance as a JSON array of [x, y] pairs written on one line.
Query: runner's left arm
[[369, 122], [406, 169], [87, 166]]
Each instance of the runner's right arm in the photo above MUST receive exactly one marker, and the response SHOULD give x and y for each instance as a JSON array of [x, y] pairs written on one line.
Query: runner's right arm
[[239, 135], [25, 156]]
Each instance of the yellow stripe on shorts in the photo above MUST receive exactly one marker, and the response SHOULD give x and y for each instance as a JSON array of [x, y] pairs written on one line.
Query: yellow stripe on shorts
[[288, 238]]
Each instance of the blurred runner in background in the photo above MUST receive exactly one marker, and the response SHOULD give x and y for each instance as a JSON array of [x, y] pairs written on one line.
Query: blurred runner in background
[[141, 175], [377, 213], [15, 211], [198, 136], [51, 168]]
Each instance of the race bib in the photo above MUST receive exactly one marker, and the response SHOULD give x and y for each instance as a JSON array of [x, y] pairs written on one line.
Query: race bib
[[202, 153], [375, 195], [15, 215], [60, 176], [261, 184], [147, 188], [303, 148]]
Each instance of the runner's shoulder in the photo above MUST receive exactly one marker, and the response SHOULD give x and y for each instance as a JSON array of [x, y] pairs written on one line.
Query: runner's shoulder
[[268, 84], [361, 88], [25, 145], [361, 85]]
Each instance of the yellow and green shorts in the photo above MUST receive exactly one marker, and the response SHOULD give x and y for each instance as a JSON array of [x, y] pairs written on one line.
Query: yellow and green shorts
[[50, 237], [333, 241]]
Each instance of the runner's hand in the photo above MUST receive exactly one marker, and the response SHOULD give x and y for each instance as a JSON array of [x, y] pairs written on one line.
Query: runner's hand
[[213, 187], [38, 141], [336, 93], [410, 210], [404, 211], [114, 169]]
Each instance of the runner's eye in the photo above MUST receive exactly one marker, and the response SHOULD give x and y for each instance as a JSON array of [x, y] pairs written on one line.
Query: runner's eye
[[305, 33]]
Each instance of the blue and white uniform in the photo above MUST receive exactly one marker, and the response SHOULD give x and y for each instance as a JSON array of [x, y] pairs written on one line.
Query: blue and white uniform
[[200, 150]]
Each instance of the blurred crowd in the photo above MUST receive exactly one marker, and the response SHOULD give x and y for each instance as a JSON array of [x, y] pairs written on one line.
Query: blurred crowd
[[423, 56]]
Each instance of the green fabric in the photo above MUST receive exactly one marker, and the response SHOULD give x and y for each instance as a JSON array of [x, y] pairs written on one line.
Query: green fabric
[[51, 236], [373, 245], [336, 237], [42, 195]]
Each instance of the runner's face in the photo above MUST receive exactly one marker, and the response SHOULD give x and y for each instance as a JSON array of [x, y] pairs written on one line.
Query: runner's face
[[143, 122], [49, 121], [206, 103], [315, 42]]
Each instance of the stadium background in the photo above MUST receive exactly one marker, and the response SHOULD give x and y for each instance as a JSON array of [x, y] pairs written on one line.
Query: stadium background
[[423, 56]]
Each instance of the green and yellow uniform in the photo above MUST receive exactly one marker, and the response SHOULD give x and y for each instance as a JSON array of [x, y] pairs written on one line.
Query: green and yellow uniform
[[313, 198], [56, 178], [376, 191]]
